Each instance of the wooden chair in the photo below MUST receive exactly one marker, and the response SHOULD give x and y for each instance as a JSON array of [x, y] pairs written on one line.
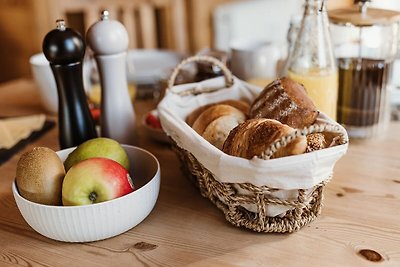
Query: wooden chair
[[150, 23]]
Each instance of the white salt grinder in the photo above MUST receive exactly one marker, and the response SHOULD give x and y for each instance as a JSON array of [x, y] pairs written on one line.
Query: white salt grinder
[[109, 41]]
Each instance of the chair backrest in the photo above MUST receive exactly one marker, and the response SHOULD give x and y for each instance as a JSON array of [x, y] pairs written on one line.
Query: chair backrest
[[150, 23]]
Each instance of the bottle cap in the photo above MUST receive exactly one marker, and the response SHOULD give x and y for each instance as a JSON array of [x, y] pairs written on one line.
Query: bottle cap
[[63, 45], [107, 36], [361, 15]]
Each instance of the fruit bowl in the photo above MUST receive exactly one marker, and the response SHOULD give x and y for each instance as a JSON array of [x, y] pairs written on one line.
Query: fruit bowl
[[102, 220]]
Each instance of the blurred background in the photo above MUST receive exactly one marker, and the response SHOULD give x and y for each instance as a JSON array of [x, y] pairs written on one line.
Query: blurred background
[[185, 26]]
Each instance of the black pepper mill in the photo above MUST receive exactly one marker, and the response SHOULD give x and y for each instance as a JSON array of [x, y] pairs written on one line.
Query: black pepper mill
[[64, 48]]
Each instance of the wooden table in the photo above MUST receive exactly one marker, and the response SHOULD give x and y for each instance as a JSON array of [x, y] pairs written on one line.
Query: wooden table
[[361, 213]]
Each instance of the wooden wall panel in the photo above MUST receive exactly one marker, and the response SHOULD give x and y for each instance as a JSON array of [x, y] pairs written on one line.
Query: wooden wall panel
[[17, 35]]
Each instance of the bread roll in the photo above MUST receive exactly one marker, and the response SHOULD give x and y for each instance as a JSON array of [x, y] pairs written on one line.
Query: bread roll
[[241, 105], [218, 130], [212, 113], [286, 101], [215, 123], [252, 137], [315, 141]]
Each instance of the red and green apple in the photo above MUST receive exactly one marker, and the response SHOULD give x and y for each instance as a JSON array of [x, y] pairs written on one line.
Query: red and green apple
[[95, 180]]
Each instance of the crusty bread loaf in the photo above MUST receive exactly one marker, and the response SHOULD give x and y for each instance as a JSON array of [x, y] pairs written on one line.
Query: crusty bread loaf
[[215, 123], [241, 105], [286, 101], [252, 137]]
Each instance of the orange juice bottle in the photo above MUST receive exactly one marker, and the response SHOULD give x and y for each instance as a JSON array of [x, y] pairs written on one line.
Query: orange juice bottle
[[311, 61], [322, 88]]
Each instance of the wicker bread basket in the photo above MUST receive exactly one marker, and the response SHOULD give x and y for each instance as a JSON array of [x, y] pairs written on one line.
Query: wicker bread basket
[[247, 202]]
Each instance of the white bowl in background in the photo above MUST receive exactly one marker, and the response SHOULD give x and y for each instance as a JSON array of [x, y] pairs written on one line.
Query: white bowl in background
[[148, 66], [45, 81], [102, 220], [144, 66]]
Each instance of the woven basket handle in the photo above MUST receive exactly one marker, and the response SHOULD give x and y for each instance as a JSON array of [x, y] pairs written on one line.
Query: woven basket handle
[[227, 73], [315, 128]]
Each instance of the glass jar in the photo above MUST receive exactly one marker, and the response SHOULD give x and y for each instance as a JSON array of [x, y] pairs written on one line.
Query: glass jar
[[293, 31], [311, 62], [365, 43]]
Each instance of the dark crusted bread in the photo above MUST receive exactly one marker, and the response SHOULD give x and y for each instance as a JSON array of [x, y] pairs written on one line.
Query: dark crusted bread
[[252, 137], [286, 101]]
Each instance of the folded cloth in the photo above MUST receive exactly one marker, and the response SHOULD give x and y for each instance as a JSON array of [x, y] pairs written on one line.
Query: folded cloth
[[15, 129], [16, 132]]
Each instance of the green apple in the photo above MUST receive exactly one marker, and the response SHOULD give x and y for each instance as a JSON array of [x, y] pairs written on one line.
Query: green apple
[[98, 147], [95, 180]]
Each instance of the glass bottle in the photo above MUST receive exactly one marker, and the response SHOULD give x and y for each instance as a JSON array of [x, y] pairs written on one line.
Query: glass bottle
[[312, 62], [366, 45]]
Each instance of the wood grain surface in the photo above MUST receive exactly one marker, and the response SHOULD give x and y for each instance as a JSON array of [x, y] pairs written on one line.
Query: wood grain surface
[[359, 225]]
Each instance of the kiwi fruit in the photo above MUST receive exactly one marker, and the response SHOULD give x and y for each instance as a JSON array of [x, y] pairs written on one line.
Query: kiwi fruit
[[39, 176]]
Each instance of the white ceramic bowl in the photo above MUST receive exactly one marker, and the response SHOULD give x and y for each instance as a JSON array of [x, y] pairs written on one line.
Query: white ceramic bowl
[[101, 220]]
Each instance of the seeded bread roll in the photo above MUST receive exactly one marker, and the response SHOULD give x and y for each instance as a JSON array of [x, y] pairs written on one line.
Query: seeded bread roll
[[315, 141], [241, 105], [286, 101], [252, 137], [215, 123]]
